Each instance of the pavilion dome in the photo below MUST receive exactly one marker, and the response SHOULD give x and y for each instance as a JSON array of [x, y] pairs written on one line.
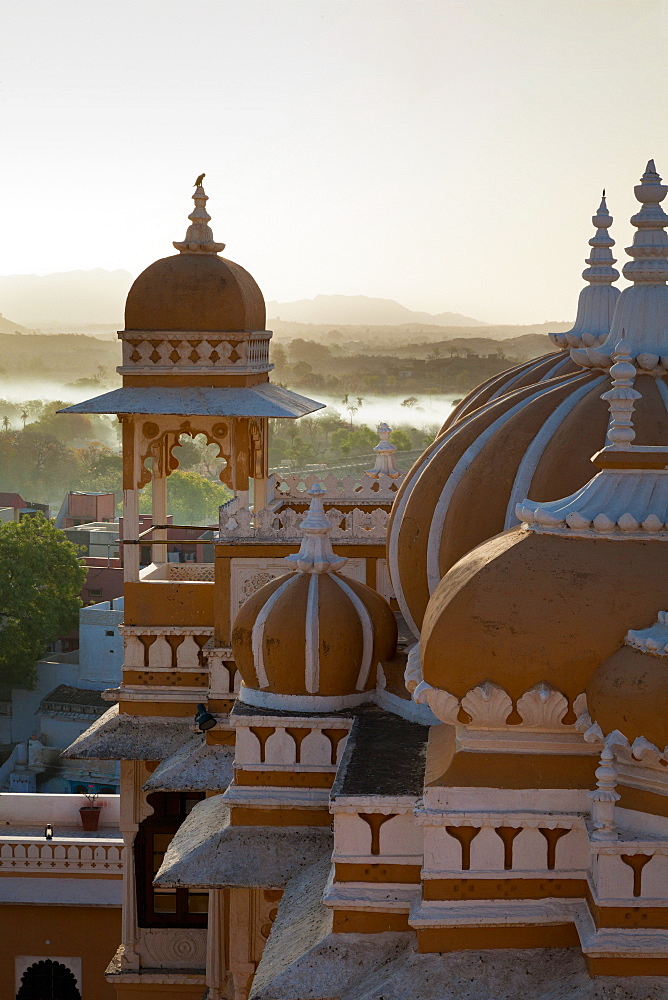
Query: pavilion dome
[[628, 690], [312, 640], [532, 434], [550, 601], [196, 290]]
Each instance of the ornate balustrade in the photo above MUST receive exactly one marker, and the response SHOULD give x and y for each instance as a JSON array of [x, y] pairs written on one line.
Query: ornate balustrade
[[148, 351], [62, 855], [361, 487], [164, 647], [239, 521]]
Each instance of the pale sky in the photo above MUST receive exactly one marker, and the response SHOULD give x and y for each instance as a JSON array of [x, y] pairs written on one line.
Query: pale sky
[[445, 154]]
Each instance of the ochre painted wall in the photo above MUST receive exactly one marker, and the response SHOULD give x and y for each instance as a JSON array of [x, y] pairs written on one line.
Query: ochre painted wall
[[91, 933]]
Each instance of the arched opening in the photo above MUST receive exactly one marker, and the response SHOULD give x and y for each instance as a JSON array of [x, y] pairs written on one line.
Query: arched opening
[[48, 980]]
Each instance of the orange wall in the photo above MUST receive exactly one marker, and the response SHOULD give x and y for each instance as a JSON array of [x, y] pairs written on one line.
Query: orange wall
[[159, 602], [91, 933]]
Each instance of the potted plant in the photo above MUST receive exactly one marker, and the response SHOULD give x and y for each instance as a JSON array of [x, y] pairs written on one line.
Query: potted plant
[[90, 814]]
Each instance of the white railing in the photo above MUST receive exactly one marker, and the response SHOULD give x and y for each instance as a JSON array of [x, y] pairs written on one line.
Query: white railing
[[188, 572], [71, 855], [359, 487], [238, 521]]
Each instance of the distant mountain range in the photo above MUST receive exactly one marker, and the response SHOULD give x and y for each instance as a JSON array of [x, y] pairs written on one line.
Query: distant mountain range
[[69, 300], [78, 301], [361, 310]]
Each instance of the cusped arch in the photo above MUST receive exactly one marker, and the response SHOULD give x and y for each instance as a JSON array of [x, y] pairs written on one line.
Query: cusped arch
[[48, 980]]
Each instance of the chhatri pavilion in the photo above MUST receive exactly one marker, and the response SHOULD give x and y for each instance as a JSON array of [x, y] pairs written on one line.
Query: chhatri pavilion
[[406, 735]]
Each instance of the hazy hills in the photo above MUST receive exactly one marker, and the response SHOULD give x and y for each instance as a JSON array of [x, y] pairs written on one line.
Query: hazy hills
[[360, 310], [69, 300]]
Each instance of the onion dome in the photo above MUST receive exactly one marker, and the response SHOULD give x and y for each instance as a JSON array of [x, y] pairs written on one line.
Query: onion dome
[[641, 315], [629, 691], [550, 601], [533, 436], [312, 640], [597, 301], [196, 290]]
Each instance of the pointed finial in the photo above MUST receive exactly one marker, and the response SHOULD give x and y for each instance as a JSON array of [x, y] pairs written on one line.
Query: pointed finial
[[643, 308], [385, 464], [315, 553], [621, 397], [596, 303], [199, 237]]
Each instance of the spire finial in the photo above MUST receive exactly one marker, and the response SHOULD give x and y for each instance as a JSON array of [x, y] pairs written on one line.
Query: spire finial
[[598, 299], [385, 464], [643, 308], [315, 553], [199, 238], [621, 397]]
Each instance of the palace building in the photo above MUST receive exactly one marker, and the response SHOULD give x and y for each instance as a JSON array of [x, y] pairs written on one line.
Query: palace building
[[406, 735]]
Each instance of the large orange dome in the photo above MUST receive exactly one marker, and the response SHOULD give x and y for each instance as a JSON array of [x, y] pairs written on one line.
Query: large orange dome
[[529, 438], [529, 607]]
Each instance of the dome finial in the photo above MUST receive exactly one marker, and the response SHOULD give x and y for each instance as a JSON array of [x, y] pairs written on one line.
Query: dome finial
[[597, 301], [385, 464], [621, 398], [315, 554], [199, 237]]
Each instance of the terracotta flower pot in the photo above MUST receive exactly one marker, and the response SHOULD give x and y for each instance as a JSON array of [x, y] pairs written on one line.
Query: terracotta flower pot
[[90, 817]]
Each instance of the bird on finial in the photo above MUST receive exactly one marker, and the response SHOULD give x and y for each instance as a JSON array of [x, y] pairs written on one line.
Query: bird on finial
[[603, 195], [199, 180]]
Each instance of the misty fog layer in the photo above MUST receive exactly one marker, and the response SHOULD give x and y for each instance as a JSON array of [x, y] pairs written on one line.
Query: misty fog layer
[[425, 414]]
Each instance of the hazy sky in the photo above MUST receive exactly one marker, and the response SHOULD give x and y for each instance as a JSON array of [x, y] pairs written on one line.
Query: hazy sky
[[446, 154]]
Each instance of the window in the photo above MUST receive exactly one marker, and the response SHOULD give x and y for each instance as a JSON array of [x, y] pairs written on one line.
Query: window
[[110, 632], [165, 907], [48, 980]]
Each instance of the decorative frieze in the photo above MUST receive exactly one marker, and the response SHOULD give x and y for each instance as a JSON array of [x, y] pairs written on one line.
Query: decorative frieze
[[152, 352], [75, 856], [283, 524], [162, 648]]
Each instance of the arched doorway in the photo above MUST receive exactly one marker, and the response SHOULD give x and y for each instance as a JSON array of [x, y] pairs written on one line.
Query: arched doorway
[[48, 980]]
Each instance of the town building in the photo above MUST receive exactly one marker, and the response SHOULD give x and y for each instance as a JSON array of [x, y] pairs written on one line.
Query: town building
[[324, 798]]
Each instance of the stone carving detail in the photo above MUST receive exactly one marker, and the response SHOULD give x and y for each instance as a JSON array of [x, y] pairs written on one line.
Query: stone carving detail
[[542, 706], [239, 521], [357, 487], [487, 705], [254, 582], [158, 353], [191, 572], [172, 948]]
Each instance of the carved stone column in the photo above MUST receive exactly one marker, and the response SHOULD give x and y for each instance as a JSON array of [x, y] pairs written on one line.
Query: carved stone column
[[241, 965], [131, 553], [215, 946], [159, 511], [130, 959]]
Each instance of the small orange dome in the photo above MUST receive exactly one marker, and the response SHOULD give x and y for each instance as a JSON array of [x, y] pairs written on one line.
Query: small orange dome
[[312, 640], [629, 690], [198, 292]]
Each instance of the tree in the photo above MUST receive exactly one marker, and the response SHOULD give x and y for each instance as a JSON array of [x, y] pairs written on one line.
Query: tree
[[191, 499], [401, 439], [411, 401], [40, 582], [24, 417], [5, 423]]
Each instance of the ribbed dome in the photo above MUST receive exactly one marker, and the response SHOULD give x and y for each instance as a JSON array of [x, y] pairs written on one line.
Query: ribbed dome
[[529, 373], [198, 292], [527, 607], [629, 691], [312, 640]]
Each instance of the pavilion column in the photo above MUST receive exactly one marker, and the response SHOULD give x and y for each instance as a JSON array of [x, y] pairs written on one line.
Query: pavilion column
[[159, 511], [131, 553], [215, 946], [130, 959]]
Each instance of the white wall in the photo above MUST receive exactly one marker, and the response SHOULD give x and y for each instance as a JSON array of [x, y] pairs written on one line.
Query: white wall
[[19, 809]]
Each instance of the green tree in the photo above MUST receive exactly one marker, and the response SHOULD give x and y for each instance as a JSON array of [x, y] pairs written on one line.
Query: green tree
[[40, 582], [401, 439], [191, 499]]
